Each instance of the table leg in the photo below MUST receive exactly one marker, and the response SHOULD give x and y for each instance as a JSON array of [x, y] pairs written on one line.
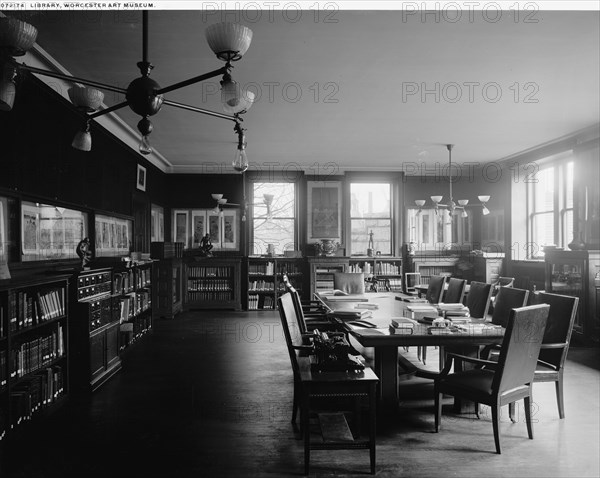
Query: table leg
[[305, 426], [372, 425], [462, 405], [386, 368]]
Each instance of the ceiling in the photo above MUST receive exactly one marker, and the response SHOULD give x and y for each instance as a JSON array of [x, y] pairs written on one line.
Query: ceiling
[[349, 90]]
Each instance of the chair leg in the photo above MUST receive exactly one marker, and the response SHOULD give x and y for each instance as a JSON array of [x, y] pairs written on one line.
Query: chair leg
[[438, 410], [424, 354], [560, 397], [496, 426], [528, 417], [295, 403], [511, 412]]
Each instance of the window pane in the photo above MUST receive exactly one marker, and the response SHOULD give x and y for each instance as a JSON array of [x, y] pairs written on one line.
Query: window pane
[[274, 213], [382, 234], [279, 232], [283, 196], [543, 229], [544, 191], [569, 185], [568, 227], [370, 200]]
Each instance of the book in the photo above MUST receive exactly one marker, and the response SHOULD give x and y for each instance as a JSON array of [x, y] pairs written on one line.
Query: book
[[364, 305], [401, 330], [403, 322], [351, 314], [421, 308], [346, 298], [412, 300], [334, 292]]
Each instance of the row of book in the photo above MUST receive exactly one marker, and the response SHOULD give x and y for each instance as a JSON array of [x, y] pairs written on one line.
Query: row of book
[[205, 271], [132, 331], [261, 285], [196, 296], [395, 285], [290, 268], [131, 279], [32, 394], [209, 285], [25, 309], [133, 304], [255, 303], [31, 355], [262, 268]]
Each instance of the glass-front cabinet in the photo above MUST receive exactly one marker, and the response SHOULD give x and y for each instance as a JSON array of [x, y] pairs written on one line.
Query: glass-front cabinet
[[572, 273]]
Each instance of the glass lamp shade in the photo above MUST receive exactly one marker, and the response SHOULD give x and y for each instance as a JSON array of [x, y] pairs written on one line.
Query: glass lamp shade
[[268, 199], [240, 162], [216, 197], [420, 202], [436, 199], [222, 201], [7, 95], [463, 202], [485, 211], [235, 99], [229, 41], [86, 99], [16, 36], [483, 199], [464, 213], [145, 147], [82, 140]]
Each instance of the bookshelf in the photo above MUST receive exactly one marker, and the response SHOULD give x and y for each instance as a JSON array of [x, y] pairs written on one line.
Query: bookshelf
[[386, 271], [168, 286], [322, 270], [94, 331], [212, 283], [265, 282], [34, 329], [132, 289]]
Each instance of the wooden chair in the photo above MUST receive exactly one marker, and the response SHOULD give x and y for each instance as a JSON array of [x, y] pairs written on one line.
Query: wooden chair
[[435, 289], [503, 382], [349, 282], [478, 299], [555, 345], [456, 291], [508, 298], [309, 308]]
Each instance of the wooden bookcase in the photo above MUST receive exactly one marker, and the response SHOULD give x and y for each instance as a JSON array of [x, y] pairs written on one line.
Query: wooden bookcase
[[168, 288], [94, 329], [321, 270], [265, 280], [386, 271], [34, 350], [212, 283], [132, 288]]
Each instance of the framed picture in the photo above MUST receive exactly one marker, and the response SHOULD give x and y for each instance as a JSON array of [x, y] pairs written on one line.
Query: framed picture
[[229, 229], [180, 227], [30, 225], [141, 178], [199, 226], [324, 201], [113, 236], [214, 229], [157, 227]]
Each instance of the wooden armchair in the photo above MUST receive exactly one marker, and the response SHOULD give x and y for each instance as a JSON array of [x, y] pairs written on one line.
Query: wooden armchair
[[505, 381]]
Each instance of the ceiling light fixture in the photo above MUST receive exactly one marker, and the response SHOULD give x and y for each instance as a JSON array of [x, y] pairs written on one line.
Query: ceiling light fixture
[[460, 204], [229, 42]]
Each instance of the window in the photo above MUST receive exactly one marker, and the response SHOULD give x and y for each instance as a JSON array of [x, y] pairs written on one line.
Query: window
[[550, 207], [273, 207], [371, 212], [433, 231]]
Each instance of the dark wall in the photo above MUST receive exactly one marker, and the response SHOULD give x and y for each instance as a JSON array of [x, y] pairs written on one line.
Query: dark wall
[[37, 160]]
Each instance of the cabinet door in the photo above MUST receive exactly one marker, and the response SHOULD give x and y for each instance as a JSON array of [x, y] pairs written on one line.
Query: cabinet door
[[97, 354], [112, 345]]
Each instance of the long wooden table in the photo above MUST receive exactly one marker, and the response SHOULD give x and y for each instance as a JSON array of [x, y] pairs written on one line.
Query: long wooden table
[[386, 345]]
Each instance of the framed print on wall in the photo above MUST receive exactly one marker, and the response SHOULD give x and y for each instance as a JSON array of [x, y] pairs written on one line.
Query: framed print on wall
[[214, 229], [180, 227], [141, 178], [324, 201], [199, 226], [229, 230]]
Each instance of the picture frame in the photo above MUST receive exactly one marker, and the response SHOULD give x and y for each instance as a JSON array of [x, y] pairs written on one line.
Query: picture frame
[[229, 230], [181, 227], [199, 226], [157, 227], [324, 206], [141, 178], [113, 236]]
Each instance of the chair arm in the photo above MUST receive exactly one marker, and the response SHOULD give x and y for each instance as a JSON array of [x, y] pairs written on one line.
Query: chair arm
[[303, 347], [464, 358], [557, 345]]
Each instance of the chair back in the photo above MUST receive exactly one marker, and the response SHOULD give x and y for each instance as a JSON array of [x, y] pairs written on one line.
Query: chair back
[[508, 298], [456, 290], [435, 289], [289, 323], [349, 282], [561, 318], [478, 299], [520, 347]]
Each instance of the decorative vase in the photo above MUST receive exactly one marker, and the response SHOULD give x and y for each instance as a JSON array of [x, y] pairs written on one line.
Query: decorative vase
[[577, 244], [327, 247]]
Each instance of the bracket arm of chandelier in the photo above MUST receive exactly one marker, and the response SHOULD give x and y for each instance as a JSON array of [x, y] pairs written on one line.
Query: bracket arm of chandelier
[[110, 109], [191, 81], [69, 78], [203, 111]]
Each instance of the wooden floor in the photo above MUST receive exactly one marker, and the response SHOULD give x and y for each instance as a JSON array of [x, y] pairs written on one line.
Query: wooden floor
[[208, 394]]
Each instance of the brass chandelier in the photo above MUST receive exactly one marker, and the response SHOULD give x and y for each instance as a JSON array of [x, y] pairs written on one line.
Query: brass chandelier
[[229, 42]]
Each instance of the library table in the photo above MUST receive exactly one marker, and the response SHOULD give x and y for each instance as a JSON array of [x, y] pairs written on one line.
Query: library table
[[385, 344]]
